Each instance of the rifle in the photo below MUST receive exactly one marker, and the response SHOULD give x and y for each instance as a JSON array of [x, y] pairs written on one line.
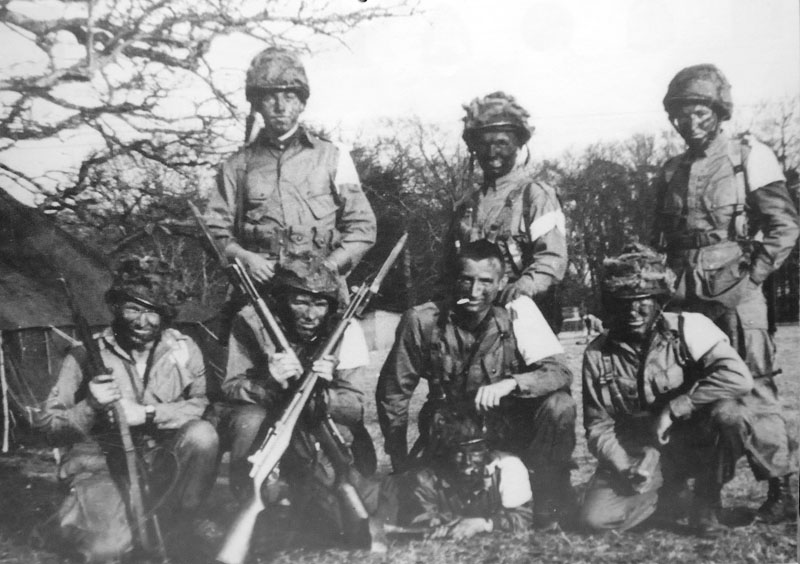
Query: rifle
[[239, 279], [278, 438], [145, 530]]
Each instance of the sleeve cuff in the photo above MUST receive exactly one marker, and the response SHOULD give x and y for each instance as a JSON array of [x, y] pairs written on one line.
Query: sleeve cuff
[[681, 407]]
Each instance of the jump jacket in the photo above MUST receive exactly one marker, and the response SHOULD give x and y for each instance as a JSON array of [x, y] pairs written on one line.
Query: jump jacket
[[524, 218], [248, 379], [301, 196], [175, 385], [455, 362], [686, 364]]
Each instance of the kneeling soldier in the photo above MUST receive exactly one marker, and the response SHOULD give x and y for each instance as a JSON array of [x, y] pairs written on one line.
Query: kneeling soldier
[[469, 351], [662, 396], [261, 381], [157, 376]]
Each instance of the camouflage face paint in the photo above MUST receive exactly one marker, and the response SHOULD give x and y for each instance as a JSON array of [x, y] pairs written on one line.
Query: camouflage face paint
[[698, 124]]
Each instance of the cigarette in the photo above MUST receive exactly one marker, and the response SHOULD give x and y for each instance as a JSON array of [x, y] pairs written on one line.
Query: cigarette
[[462, 301]]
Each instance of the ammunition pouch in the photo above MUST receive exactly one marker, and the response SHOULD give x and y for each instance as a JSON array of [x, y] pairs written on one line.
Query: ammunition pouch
[[721, 273], [294, 240]]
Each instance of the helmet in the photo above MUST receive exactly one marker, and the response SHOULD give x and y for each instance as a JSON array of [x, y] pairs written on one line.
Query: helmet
[[455, 427], [700, 84], [275, 68], [147, 280], [498, 111], [638, 272], [307, 274]]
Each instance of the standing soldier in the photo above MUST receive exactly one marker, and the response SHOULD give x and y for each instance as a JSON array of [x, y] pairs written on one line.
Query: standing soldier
[[158, 377], [510, 208], [289, 191], [726, 221], [662, 402]]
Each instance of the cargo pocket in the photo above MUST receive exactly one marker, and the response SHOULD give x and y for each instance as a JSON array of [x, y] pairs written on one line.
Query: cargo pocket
[[322, 206], [721, 273]]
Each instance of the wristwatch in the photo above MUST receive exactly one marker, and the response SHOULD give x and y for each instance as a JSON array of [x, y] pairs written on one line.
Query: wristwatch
[[150, 414]]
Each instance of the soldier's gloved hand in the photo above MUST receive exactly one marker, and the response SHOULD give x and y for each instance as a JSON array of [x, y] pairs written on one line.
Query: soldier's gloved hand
[[489, 396], [525, 286], [283, 367], [259, 267], [134, 412], [324, 368], [103, 391]]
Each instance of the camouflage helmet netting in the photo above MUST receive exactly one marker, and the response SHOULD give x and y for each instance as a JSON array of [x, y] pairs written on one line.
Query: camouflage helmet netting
[[636, 273], [307, 274], [148, 280], [497, 110], [275, 68], [700, 83]]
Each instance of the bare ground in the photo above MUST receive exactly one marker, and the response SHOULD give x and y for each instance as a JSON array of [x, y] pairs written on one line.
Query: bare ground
[[30, 494]]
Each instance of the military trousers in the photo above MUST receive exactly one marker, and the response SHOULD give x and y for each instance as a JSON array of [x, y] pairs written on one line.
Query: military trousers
[[705, 447]]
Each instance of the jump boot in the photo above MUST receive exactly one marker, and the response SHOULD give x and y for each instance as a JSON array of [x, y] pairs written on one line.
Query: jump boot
[[780, 505]]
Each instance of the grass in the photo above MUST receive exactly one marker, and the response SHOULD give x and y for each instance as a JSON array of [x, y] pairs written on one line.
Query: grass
[[30, 494]]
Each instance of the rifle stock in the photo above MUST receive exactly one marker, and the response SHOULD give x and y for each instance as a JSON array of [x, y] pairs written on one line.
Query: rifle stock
[[237, 543], [147, 542]]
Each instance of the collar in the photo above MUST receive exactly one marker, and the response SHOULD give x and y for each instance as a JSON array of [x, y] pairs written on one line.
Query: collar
[[716, 147], [509, 179], [297, 133], [110, 343]]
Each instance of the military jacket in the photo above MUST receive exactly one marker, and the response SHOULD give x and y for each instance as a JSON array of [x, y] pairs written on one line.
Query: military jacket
[[301, 196], [732, 192], [175, 384], [687, 364], [248, 379], [524, 218], [455, 362]]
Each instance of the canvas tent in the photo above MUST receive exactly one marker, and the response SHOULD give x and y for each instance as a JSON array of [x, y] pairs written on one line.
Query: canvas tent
[[34, 254]]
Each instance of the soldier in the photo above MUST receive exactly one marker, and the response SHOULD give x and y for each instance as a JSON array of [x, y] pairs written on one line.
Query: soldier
[[726, 221], [157, 375], [466, 489], [259, 383], [662, 402], [469, 352], [510, 207], [289, 191]]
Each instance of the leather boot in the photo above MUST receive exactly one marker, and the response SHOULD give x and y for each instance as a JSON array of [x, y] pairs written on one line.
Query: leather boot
[[780, 504], [704, 515], [554, 500]]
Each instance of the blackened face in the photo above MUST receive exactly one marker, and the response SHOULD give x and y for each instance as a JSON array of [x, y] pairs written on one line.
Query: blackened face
[[280, 109], [477, 286], [496, 152], [307, 312], [136, 325], [632, 319], [469, 463], [698, 124]]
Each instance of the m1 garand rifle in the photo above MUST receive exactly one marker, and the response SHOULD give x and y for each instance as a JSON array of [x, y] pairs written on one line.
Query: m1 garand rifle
[[278, 438], [145, 527]]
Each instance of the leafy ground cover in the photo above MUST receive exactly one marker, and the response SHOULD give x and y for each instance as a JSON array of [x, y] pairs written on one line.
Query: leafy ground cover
[[30, 494]]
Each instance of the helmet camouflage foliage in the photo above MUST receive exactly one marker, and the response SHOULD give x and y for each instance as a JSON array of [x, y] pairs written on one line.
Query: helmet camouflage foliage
[[638, 272], [703, 84], [147, 280], [496, 111], [275, 68], [307, 274]]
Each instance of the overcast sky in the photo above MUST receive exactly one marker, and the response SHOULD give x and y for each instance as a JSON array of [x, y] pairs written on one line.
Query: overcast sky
[[587, 70]]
